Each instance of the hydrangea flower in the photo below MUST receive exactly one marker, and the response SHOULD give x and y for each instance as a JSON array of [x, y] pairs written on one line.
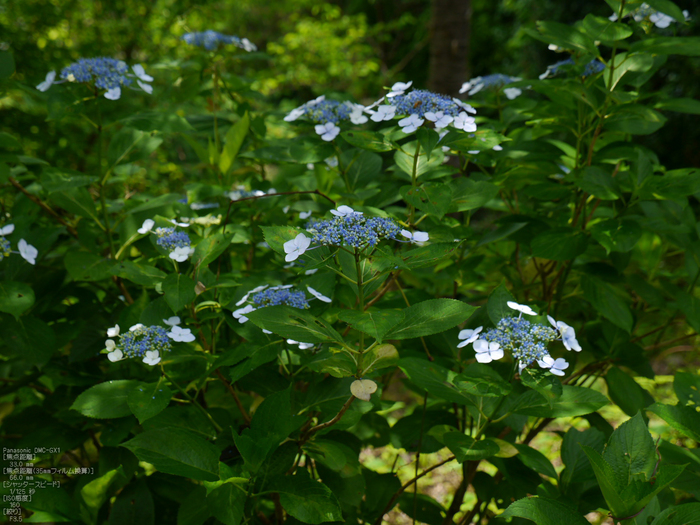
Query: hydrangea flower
[[241, 193], [525, 341], [265, 295], [148, 342], [522, 308], [183, 335], [296, 247], [416, 237], [177, 243], [327, 114], [659, 19], [345, 211], [302, 346], [487, 352], [210, 40], [352, 229], [319, 295], [468, 336], [419, 105], [496, 81], [555, 366], [27, 251], [567, 333], [103, 73], [591, 68]]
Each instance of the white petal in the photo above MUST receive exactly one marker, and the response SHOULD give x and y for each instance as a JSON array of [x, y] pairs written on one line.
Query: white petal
[[146, 87], [114, 93], [172, 321], [141, 73], [27, 251], [47, 83], [319, 295], [146, 226], [7, 229], [115, 356], [114, 331]]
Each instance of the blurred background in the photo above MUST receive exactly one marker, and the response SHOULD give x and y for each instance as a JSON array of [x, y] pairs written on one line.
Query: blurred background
[[347, 48]]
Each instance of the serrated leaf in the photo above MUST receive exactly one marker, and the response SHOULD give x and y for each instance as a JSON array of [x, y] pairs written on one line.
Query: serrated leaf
[[435, 379], [574, 401], [106, 400], [179, 291], [470, 195], [293, 323], [375, 323], [684, 419], [544, 511], [465, 448], [305, 499], [367, 140], [144, 275], [15, 298], [148, 399], [209, 249], [431, 198], [482, 381], [234, 139], [430, 317], [559, 244]]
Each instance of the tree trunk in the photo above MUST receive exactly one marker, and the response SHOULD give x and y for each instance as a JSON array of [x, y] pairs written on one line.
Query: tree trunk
[[450, 29]]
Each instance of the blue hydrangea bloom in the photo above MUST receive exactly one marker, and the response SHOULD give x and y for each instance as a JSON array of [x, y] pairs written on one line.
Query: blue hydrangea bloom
[[106, 73], [211, 40], [419, 102], [525, 340], [170, 239], [565, 66], [141, 339], [5, 250], [353, 230], [278, 295]]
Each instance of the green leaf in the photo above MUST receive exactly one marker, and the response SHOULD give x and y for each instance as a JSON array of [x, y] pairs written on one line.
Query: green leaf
[[96, 492], [435, 379], [144, 275], [305, 499], [544, 511], [559, 244], [405, 160], [534, 459], [624, 62], [669, 45], [7, 64], [431, 198], [578, 469], [430, 317], [15, 298], [429, 255], [106, 400], [634, 119], [482, 381], [179, 291], [293, 323], [686, 385], [234, 139], [148, 399], [310, 150], [674, 185], [209, 249], [375, 323], [465, 448], [227, 502], [420, 506], [156, 121], [53, 179], [367, 140], [626, 393], [547, 385], [87, 266], [470, 195], [497, 306], [600, 28], [606, 302], [687, 514], [564, 36], [680, 105], [617, 235], [276, 236], [271, 424], [630, 451], [77, 201], [574, 401], [133, 505], [600, 183], [428, 139], [684, 419], [178, 452], [156, 202], [361, 167], [606, 480]]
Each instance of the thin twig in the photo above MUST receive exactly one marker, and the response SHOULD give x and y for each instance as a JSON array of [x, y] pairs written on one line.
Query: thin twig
[[44, 206], [230, 388]]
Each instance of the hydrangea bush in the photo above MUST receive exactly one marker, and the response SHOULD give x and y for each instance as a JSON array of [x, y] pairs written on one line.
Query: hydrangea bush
[[476, 285]]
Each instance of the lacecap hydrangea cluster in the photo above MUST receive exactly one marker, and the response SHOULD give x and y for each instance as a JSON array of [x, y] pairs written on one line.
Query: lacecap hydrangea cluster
[[170, 239], [568, 65], [526, 341], [281, 296], [102, 72], [328, 114], [210, 40], [351, 228], [420, 105], [147, 342], [495, 81]]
